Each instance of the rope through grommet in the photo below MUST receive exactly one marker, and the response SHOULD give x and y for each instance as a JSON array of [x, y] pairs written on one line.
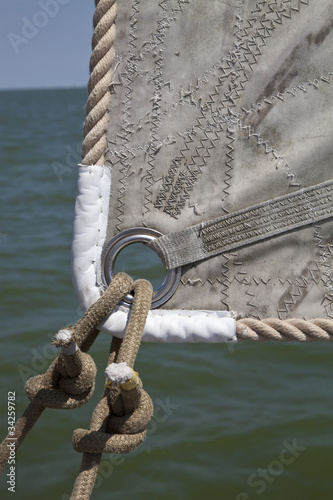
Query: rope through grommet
[[119, 422]]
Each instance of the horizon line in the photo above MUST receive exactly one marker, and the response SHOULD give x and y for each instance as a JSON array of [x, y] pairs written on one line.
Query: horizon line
[[60, 87]]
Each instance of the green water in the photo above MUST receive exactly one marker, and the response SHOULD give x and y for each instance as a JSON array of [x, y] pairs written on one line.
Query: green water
[[241, 422]]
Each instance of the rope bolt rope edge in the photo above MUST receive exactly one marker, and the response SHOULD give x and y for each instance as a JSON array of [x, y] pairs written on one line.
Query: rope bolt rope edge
[[284, 330], [94, 130]]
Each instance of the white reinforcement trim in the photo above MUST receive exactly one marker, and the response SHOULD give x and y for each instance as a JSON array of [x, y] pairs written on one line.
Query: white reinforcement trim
[[90, 225]]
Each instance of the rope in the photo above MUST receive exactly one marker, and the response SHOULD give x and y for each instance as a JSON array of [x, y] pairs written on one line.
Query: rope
[[120, 419], [70, 380], [284, 331], [94, 144]]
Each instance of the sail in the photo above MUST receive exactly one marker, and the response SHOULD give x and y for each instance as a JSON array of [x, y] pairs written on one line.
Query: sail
[[219, 157]]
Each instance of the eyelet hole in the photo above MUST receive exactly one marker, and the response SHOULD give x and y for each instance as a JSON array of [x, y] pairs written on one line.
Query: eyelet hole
[[140, 262], [167, 280]]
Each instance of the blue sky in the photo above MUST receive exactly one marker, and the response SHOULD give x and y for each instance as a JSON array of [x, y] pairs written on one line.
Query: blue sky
[[45, 43]]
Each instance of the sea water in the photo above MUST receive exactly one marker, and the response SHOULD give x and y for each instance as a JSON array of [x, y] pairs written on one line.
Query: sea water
[[242, 422]]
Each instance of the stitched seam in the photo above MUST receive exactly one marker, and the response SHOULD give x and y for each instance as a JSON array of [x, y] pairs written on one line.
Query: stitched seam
[[184, 184], [127, 75], [293, 92]]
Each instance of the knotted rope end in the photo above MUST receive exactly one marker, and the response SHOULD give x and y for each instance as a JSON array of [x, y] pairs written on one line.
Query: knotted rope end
[[122, 374], [66, 340]]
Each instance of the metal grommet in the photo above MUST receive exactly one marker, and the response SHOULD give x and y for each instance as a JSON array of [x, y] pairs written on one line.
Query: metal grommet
[[138, 235]]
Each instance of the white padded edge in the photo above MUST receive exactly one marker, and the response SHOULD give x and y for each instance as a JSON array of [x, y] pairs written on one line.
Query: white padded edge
[[165, 325], [90, 225]]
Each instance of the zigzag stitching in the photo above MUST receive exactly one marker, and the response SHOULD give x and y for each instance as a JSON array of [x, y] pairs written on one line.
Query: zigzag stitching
[[238, 24], [228, 62], [212, 72], [312, 272], [130, 69], [148, 46], [294, 296], [242, 278], [329, 306], [223, 65], [130, 65], [293, 92], [167, 185], [225, 281], [230, 99], [181, 3], [269, 150], [186, 183], [229, 163], [121, 191], [222, 281], [163, 24], [247, 46], [325, 252]]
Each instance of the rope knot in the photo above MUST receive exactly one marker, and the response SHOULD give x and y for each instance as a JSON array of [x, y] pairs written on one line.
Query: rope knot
[[70, 380], [121, 373], [119, 422], [125, 415]]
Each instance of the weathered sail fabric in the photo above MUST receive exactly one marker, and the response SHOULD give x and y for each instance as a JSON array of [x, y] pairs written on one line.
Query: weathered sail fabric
[[219, 109]]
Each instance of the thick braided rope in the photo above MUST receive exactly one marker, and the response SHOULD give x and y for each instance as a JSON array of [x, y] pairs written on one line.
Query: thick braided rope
[[68, 383], [119, 287], [94, 144], [141, 305], [284, 331], [70, 380], [22, 428], [90, 461], [120, 419], [54, 389]]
